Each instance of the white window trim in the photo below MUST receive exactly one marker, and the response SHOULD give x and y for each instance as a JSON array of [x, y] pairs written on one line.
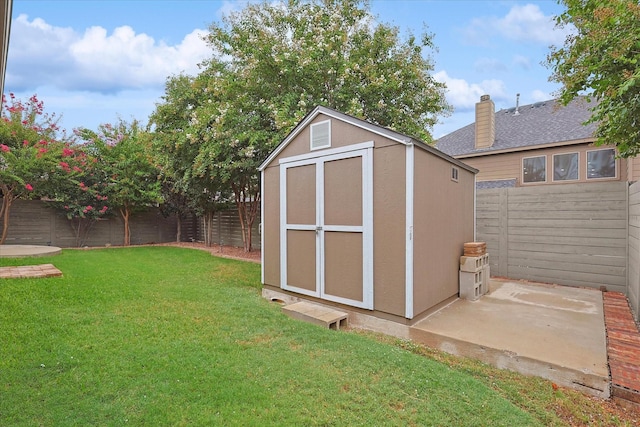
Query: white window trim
[[553, 166], [546, 170], [313, 125], [457, 174], [609, 178]]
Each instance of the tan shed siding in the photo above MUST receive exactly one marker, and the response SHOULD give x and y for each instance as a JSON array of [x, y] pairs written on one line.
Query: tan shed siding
[[443, 222], [271, 225], [634, 249], [509, 165], [389, 227], [575, 234]]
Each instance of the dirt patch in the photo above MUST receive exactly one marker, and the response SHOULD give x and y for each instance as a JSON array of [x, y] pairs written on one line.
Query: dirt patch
[[221, 250]]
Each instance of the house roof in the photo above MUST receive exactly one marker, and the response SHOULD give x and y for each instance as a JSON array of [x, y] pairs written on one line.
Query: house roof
[[535, 125], [380, 130]]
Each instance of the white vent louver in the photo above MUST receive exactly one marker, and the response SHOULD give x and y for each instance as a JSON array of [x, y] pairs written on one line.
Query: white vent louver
[[321, 135]]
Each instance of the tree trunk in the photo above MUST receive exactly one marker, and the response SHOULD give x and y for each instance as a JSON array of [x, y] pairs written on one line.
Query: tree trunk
[[247, 210], [127, 232], [207, 221], [7, 200], [179, 228]]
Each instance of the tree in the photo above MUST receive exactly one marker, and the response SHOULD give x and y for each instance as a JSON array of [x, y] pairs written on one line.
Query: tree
[[601, 59], [184, 189], [273, 62], [78, 191], [30, 148], [132, 177]]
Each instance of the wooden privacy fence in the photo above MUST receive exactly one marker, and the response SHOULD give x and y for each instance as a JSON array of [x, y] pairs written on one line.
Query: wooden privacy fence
[[634, 249], [574, 234], [226, 230], [33, 223]]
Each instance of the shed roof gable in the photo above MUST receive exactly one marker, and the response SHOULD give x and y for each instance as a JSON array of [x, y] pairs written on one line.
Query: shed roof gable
[[538, 124], [363, 124]]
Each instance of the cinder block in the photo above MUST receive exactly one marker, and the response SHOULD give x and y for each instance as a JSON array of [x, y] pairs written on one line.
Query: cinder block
[[485, 259], [471, 264], [471, 284], [486, 276]]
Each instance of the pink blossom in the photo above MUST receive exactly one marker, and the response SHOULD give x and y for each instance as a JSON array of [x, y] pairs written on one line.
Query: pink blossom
[[104, 209], [25, 143], [5, 148], [29, 187], [77, 169], [67, 152], [89, 208]]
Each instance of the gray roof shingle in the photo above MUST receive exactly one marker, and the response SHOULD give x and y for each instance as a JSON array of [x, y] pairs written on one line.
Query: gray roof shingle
[[541, 123]]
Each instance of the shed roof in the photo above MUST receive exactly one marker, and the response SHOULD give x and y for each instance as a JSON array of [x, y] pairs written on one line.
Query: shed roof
[[542, 123], [380, 130]]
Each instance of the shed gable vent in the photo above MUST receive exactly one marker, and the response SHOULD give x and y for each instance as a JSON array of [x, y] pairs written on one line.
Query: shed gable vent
[[321, 135]]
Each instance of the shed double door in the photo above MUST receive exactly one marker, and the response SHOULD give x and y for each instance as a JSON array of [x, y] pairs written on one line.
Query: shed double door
[[326, 226]]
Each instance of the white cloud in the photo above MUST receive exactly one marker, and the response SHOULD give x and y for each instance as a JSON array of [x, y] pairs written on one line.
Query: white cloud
[[464, 95], [523, 23], [539, 95], [41, 54]]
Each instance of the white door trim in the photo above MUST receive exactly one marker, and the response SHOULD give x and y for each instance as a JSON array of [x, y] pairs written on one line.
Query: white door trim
[[365, 151]]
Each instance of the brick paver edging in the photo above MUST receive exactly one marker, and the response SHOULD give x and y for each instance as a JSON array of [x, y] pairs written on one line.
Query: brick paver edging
[[623, 347]]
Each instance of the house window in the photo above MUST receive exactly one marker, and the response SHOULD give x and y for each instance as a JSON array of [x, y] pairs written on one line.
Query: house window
[[565, 167], [454, 174], [534, 169], [321, 135], [601, 164]]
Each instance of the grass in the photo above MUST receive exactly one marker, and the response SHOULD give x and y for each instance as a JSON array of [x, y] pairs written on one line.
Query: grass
[[170, 336]]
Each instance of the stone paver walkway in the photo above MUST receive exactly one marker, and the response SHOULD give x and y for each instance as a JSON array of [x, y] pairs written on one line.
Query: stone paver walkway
[[42, 270]]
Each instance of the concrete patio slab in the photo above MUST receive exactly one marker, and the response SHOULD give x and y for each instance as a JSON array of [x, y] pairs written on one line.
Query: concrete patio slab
[[554, 332], [23, 251]]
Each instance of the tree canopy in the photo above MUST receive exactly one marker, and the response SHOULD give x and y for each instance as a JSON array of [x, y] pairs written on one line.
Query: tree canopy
[[273, 62], [601, 59], [131, 182], [31, 146]]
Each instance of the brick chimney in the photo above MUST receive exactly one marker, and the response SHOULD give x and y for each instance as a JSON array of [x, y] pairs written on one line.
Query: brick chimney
[[485, 122]]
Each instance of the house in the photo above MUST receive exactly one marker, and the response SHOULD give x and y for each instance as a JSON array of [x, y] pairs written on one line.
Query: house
[[537, 144], [361, 217]]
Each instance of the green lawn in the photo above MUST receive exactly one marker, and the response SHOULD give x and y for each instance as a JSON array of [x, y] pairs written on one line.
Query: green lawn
[[170, 336]]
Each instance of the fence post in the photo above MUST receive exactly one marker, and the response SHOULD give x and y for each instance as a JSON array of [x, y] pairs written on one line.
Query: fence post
[[503, 251]]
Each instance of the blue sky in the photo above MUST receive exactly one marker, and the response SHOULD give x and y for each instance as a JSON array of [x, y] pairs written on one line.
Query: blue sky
[[93, 61]]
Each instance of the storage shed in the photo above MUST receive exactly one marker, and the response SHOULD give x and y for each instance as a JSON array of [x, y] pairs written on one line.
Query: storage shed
[[361, 217]]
